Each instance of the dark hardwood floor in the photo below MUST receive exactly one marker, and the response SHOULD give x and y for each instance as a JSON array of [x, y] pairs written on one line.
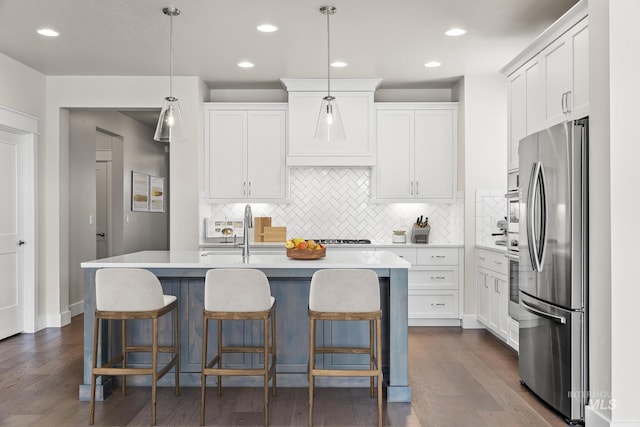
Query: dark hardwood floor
[[459, 378]]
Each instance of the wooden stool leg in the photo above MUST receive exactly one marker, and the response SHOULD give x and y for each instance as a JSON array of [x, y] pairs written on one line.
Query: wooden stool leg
[[123, 325], [273, 350], [265, 350], [94, 364], [371, 356], [379, 367], [219, 356], [203, 376], [154, 374], [312, 358], [176, 350]]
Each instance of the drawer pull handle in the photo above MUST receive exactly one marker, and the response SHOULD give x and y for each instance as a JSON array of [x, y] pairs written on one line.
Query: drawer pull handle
[[438, 277], [440, 304], [498, 262], [482, 258], [437, 256]]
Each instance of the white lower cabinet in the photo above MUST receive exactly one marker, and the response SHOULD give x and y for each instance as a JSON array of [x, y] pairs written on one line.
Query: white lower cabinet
[[434, 280], [493, 292], [514, 334]]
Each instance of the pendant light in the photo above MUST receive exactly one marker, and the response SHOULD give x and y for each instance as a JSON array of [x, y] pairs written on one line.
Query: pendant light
[[329, 127], [170, 127]]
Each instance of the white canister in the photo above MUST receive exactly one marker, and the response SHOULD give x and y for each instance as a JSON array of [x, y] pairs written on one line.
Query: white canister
[[399, 236]]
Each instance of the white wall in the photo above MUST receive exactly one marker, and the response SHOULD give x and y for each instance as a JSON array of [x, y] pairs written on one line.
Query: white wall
[[485, 161], [614, 205], [104, 92], [24, 89], [137, 151]]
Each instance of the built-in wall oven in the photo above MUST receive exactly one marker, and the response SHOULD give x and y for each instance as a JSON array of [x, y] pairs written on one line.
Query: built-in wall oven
[[513, 256]]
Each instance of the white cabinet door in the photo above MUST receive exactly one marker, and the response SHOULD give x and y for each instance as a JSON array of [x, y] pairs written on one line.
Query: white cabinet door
[[227, 141], [557, 66], [356, 110], [434, 159], [580, 60], [484, 297], [503, 290], [535, 96], [416, 152], [517, 87], [394, 144], [266, 169], [494, 316]]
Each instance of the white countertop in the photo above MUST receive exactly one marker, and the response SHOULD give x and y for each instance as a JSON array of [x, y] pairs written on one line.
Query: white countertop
[[195, 259], [494, 248], [374, 245]]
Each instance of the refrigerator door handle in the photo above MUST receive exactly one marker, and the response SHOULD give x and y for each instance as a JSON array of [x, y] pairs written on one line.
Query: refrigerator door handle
[[559, 319], [545, 218], [531, 198]]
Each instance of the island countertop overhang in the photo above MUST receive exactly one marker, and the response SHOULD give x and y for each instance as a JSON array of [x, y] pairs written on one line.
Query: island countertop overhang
[[204, 259]]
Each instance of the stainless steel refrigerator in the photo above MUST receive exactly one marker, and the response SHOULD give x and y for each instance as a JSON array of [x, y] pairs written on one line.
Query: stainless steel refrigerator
[[553, 266]]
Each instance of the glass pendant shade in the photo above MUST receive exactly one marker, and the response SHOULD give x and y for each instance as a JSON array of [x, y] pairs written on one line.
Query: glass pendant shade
[[170, 127], [329, 127]]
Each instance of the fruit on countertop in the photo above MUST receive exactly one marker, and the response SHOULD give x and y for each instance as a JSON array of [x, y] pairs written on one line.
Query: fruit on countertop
[[298, 243]]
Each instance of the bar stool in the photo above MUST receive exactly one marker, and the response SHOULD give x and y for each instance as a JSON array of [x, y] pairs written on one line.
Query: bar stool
[[133, 294], [346, 295], [238, 294]]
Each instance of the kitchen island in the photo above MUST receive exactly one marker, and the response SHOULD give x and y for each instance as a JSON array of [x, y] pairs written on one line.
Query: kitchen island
[[182, 274]]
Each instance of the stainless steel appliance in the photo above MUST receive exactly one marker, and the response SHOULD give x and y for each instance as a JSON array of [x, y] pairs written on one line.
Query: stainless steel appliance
[[513, 256], [553, 245]]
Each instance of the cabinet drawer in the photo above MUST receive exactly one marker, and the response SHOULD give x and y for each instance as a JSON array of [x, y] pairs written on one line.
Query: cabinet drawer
[[426, 304], [423, 278], [439, 256], [409, 254], [493, 261]]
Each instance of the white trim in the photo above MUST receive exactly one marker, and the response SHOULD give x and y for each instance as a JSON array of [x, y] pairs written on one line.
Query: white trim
[[434, 322], [337, 85], [76, 308], [470, 321], [58, 320], [27, 126]]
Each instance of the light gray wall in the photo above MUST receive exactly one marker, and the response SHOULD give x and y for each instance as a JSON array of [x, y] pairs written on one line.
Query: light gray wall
[[136, 151]]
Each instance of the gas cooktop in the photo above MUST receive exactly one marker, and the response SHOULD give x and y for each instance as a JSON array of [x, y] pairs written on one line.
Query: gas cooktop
[[343, 241]]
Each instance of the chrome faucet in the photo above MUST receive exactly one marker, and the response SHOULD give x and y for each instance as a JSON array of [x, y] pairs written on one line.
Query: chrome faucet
[[248, 223]]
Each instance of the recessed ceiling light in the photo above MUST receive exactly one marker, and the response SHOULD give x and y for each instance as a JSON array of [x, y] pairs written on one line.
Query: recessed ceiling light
[[267, 28], [338, 64], [246, 64], [455, 32], [48, 32], [432, 64]]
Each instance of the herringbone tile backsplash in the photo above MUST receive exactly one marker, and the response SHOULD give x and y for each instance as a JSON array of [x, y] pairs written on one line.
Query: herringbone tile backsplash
[[334, 203], [491, 206]]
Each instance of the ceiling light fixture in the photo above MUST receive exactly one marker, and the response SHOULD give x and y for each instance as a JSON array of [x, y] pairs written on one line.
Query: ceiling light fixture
[[455, 32], [170, 127], [432, 64], [246, 64], [48, 32], [267, 28], [329, 127], [339, 64]]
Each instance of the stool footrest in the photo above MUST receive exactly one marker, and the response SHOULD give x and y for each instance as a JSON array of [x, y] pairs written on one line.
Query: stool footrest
[[345, 372], [245, 349], [343, 350], [148, 349]]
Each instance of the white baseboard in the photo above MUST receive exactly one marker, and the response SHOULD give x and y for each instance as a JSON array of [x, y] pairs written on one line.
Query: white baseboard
[[592, 418], [434, 322], [58, 320], [470, 321], [76, 308]]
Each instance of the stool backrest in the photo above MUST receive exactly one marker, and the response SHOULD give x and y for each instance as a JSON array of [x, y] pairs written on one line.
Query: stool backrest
[[344, 291], [236, 290], [128, 289]]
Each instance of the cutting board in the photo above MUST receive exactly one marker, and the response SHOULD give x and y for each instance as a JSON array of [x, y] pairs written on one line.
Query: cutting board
[[275, 234], [259, 223]]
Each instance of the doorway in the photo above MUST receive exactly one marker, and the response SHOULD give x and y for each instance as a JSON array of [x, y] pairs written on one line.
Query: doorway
[[17, 223]]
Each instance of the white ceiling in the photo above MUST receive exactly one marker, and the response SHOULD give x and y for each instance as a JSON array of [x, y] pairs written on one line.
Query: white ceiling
[[387, 40]]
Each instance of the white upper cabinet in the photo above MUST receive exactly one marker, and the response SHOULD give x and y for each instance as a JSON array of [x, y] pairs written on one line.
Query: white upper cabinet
[[355, 102], [549, 81], [416, 152], [245, 152]]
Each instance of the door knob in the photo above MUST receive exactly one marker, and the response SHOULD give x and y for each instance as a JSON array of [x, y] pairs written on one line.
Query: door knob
[[100, 234], [21, 242]]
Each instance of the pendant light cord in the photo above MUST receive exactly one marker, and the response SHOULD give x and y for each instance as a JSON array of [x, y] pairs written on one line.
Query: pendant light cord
[[328, 12], [171, 52]]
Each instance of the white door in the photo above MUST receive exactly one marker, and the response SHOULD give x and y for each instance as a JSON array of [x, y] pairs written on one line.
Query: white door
[[11, 230], [394, 168], [227, 142], [434, 154], [102, 209], [266, 143]]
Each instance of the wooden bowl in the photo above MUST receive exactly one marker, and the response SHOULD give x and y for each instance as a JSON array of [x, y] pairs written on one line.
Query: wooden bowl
[[307, 253]]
